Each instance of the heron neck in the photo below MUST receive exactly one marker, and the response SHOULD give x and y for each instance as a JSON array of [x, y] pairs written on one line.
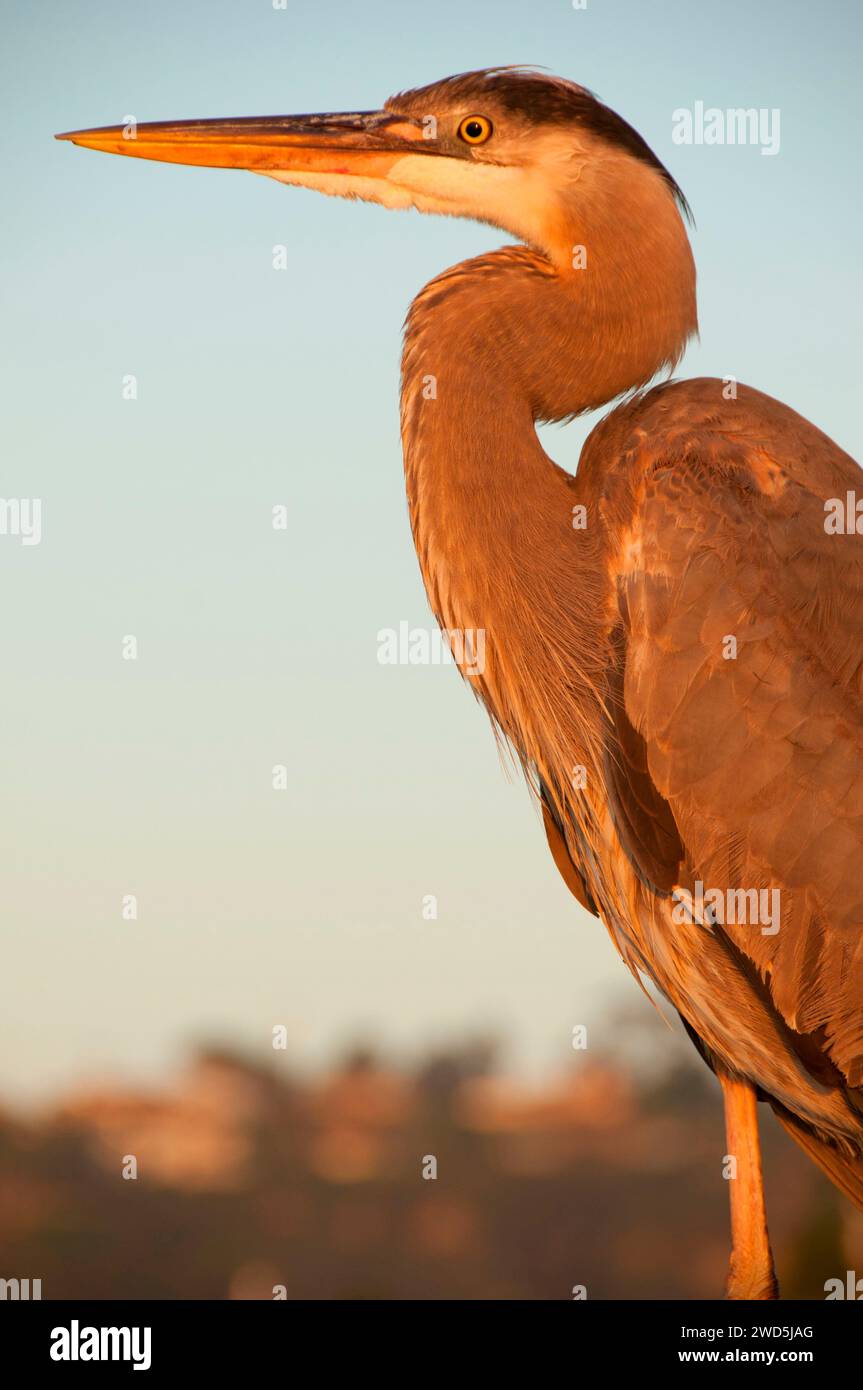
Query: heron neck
[[470, 446], [492, 515], [491, 347]]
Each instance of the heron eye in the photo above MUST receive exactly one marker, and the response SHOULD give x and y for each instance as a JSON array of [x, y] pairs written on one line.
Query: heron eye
[[475, 130]]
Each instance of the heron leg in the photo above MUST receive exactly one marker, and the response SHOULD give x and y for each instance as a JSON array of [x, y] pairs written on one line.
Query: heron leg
[[751, 1274]]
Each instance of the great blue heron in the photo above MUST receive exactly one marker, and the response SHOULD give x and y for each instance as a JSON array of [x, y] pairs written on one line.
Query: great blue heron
[[672, 636]]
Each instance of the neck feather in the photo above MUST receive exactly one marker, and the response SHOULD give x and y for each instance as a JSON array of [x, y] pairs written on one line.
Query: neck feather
[[491, 347]]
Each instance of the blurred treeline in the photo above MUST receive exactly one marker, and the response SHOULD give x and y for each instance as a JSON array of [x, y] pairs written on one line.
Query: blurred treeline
[[250, 1178]]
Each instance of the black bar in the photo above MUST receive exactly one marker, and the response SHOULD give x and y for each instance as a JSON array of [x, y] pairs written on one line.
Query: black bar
[[234, 1338]]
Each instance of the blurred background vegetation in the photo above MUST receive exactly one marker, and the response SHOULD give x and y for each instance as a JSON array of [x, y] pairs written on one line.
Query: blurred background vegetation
[[248, 1177]]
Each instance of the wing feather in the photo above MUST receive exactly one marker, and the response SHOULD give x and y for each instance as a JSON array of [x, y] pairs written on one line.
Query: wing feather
[[736, 663]]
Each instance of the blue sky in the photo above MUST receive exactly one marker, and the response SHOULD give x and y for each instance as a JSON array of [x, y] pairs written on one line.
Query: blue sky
[[258, 387]]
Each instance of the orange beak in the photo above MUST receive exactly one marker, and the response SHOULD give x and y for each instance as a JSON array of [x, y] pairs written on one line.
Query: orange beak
[[364, 143]]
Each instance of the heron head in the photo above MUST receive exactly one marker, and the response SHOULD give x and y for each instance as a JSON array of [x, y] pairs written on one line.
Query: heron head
[[537, 156]]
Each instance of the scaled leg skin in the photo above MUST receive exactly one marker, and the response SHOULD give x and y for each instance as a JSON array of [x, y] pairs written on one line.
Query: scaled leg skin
[[751, 1274]]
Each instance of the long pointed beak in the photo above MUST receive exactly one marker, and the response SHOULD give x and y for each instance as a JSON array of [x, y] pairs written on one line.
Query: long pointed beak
[[359, 143]]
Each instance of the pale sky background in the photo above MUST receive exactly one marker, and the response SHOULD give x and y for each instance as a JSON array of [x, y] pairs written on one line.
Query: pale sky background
[[258, 387]]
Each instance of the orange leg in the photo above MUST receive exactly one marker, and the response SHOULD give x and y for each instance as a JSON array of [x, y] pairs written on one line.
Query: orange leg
[[751, 1274]]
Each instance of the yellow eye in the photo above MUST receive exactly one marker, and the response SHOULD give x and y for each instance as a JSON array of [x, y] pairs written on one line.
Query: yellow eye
[[475, 130]]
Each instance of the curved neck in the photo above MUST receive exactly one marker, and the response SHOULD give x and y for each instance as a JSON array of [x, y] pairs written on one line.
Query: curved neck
[[491, 347]]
